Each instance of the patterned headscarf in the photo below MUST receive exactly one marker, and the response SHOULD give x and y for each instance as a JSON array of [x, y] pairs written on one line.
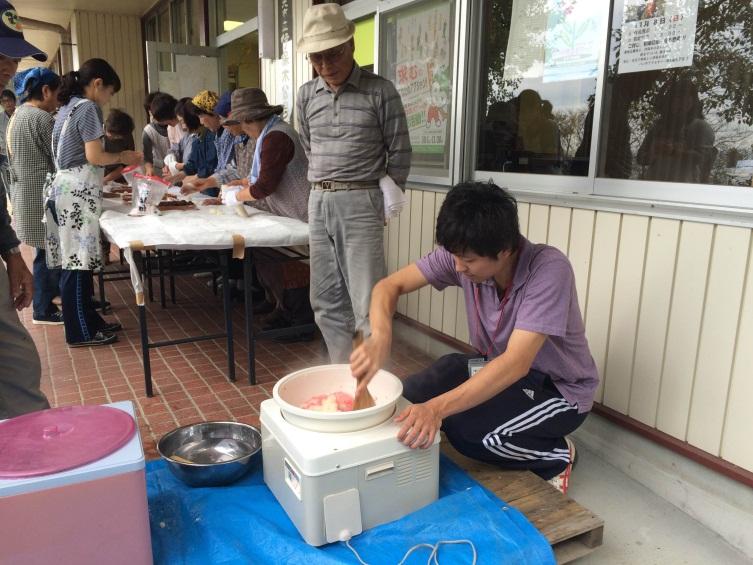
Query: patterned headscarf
[[205, 101], [26, 81]]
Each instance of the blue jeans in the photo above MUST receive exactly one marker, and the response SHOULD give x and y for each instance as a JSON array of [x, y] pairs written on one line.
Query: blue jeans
[[46, 286], [80, 318]]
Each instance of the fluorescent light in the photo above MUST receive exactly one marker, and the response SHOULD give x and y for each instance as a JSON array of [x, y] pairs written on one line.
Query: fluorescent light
[[229, 25]]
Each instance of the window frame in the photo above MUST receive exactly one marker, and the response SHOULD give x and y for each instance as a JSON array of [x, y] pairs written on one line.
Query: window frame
[[457, 115], [358, 9], [684, 200]]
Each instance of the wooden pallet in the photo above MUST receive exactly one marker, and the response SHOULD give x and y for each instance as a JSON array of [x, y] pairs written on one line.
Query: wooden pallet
[[572, 530]]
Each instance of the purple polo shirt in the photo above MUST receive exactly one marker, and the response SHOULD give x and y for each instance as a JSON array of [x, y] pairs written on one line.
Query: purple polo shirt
[[542, 299]]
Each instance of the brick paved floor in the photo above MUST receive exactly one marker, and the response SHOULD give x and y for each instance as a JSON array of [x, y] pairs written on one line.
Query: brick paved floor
[[190, 382]]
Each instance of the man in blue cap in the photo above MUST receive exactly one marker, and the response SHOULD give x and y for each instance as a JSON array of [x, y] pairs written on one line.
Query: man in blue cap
[[20, 369]]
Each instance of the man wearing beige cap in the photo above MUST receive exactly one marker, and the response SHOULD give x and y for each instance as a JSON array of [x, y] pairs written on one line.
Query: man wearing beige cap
[[354, 131]]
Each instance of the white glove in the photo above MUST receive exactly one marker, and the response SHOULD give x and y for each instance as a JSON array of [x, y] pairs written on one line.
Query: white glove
[[230, 196]]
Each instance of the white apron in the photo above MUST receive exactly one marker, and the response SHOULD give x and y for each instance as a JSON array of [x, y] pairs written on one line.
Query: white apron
[[72, 240]]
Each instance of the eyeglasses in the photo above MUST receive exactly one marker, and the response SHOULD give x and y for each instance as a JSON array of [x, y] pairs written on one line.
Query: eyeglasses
[[330, 56]]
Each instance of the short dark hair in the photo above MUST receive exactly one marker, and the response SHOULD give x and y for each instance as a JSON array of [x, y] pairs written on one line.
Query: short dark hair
[[162, 107], [119, 123], [8, 94], [74, 82], [478, 217], [148, 100], [187, 111]]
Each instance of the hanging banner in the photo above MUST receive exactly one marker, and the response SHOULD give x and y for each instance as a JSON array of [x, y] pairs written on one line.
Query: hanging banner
[[573, 42], [657, 34], [284, 65], [423, 76]]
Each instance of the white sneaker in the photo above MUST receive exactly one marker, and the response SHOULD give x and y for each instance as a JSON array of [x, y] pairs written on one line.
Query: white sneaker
[[562, 481]]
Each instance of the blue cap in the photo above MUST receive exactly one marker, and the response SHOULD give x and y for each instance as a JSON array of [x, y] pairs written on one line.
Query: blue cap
[[222, 108], [25, 81], [12, 42]]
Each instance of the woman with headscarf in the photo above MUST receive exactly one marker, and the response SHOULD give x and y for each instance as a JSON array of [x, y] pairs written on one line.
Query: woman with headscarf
[[74, 197], [29, 140]]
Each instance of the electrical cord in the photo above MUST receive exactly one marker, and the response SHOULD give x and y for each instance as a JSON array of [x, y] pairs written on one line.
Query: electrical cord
[[433, 556]]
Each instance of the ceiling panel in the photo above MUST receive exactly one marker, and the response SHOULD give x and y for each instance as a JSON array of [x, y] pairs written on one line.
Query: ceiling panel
[[60, 12], [131, 7]]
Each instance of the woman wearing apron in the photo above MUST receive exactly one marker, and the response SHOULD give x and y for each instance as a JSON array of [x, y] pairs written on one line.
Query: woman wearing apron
[[29, 139], [74, 197]]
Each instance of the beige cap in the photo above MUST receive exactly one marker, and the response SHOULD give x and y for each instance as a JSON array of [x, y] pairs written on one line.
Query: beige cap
[[325, 26]]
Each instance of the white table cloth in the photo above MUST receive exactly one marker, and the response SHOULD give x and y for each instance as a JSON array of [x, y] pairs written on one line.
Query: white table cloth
[[206, 227]]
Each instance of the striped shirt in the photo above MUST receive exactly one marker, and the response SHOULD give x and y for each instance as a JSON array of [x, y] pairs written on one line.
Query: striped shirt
[[224, 141], [241, 166], [85, 125], [357, 134]]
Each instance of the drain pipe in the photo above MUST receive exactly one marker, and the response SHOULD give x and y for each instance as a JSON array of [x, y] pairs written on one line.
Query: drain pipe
[[66, 53]]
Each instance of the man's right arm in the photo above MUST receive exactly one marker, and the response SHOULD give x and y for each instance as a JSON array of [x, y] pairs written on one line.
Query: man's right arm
[[303, 125], [367, 359]]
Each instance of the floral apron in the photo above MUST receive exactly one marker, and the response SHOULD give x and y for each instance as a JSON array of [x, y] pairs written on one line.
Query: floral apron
[[73, 205]]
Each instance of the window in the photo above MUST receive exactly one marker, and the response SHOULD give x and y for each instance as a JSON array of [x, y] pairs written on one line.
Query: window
[[196, 22], [677, 101], [163, 35], [233, 13], [610, 94], [240, 60], [539, 70], [417, 54], [364, 38], [179, 20]]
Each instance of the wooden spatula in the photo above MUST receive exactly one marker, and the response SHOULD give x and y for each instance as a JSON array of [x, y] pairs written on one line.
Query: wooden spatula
[[363, 398]]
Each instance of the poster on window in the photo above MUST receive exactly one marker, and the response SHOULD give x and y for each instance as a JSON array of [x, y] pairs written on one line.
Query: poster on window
[[657, 34], [573, 45], [424, 76], [524, 56]]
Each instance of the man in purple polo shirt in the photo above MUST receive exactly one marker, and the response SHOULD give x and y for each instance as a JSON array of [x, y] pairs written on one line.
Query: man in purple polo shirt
[[533, 380]]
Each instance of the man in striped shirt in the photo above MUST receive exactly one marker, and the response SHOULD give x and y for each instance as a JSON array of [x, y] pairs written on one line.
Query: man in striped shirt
[[354, 131]]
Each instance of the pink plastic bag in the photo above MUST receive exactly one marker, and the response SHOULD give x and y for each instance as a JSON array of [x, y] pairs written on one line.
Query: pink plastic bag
[[147, 194]]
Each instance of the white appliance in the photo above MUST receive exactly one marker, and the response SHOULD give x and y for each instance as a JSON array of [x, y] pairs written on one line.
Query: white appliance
[[334, 485]]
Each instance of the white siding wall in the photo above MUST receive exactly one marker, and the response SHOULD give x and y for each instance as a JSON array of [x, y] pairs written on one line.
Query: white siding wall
[[117, 39], [668, 306]]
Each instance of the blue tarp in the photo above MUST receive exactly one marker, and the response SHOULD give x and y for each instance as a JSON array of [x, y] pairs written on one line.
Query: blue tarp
[[243, 523]]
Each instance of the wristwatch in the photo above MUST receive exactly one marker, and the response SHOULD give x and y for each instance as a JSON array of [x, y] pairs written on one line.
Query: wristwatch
[[12, 251]]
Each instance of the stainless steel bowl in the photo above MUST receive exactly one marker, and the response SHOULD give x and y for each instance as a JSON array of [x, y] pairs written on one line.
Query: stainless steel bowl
[[210, 453]]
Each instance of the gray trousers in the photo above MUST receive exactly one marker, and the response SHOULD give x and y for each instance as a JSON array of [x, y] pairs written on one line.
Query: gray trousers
[[20, 369], [346, 249]]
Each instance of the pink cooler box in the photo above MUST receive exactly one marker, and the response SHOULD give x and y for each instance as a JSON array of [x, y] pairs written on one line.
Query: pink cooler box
[[95, 514]]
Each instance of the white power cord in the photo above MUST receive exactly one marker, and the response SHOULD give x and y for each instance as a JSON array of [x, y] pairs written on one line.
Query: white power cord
[[433, 556]]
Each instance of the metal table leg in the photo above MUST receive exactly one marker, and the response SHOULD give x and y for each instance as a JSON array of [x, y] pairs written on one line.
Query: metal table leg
[[138, 262], [228, 307], [248, 300], [172, 276], [149, 275], [161, 269], [101, 282]]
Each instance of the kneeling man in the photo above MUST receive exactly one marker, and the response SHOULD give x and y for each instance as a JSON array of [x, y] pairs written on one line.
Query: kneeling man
[[533, 379]]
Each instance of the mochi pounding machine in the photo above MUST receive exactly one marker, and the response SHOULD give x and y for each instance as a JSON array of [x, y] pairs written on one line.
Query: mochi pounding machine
[[339, 473]]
